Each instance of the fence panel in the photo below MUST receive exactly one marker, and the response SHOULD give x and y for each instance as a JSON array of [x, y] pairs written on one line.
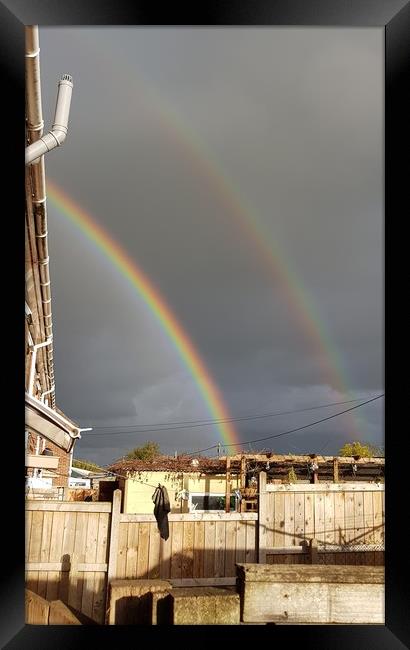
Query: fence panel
[[67, 553], [347, 520], [201, 548], [73, 548]]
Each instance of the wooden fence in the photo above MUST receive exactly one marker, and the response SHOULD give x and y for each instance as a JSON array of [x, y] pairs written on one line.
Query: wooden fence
[[67, 551], [201, 547], [72, 548], [346, 521]]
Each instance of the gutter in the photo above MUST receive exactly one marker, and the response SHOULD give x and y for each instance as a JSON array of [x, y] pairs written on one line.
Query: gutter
[[48, 423]]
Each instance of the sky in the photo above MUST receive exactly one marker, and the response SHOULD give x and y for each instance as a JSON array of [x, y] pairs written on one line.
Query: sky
[[241, 169]]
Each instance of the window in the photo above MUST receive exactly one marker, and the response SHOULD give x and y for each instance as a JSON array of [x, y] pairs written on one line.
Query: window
[[202, 502]]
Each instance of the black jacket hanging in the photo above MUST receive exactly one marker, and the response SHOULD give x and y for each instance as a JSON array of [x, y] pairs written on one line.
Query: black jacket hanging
[[161, 510]]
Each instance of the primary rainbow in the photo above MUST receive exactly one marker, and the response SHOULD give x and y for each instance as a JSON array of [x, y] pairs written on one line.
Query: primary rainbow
[[130, 270]]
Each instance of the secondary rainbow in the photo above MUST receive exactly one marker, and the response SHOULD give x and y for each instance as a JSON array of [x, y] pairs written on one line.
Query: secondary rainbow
[[130, 270], [202, 162], [235, 207]]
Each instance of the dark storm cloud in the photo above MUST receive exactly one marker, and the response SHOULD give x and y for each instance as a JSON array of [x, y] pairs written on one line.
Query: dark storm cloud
[[291, 119]]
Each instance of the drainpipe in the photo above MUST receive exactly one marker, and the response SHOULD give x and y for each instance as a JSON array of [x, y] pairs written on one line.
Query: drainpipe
[[35, 122], [58, 133], [47, 392], [33, 364], [34, 126]]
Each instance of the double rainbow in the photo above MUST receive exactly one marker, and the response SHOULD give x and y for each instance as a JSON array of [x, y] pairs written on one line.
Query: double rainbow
[[203, 163]]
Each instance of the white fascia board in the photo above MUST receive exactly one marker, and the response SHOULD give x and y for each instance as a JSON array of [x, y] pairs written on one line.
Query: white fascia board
[[51, 425]]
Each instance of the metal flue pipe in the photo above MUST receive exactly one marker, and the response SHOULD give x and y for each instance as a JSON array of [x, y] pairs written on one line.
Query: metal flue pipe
[[58, 133]]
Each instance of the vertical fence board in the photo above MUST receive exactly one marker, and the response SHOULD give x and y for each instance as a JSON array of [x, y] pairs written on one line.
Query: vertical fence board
[[319, 516], [340, 518], [309, 516], [176, 553], [34, 549], [165, 551], [90, 557], [143, 550], [122, 550], [251, 551], [113, 538], [220, 549], [279, 520], [368, 518], [188, 549], [75, 590], [270, 525], [131, 551], [330, 532], [289, 519], [55, 555], [44, 553], [349, 517], [154, 552], [209, 558], [299, 518], [100, 577], [378, 518], [199, 548], [29, 516], [230, 549], [359, 527], [70, 519], [240, 555]]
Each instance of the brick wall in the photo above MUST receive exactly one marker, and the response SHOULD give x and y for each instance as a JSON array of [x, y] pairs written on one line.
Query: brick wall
[[63, 463]]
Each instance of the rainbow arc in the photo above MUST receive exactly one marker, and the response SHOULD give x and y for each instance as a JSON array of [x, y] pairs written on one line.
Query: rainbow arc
[[156, 303]]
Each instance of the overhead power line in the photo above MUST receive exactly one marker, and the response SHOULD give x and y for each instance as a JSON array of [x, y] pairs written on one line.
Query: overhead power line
[[190, 424], [285, 433]]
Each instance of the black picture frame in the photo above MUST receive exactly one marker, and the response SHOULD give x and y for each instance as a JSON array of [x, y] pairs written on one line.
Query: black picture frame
[[394, 16]]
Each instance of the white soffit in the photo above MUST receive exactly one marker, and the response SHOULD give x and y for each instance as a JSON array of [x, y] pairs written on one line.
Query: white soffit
[[51, 425]]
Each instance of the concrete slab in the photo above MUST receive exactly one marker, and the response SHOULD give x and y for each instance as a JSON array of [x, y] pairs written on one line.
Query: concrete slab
[[311, 594], [204, 606], [130, 602]]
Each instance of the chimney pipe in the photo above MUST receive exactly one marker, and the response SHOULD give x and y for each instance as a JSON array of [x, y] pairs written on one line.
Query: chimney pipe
[[58, 133]]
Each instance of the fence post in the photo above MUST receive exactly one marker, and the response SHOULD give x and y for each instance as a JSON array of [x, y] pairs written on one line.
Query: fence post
[[242, 485], [262, 512], [228, 486], [313, 551], [113, 542], [335, 470]]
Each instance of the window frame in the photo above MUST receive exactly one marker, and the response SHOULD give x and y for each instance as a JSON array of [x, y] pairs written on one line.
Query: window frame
[[211, 494]]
